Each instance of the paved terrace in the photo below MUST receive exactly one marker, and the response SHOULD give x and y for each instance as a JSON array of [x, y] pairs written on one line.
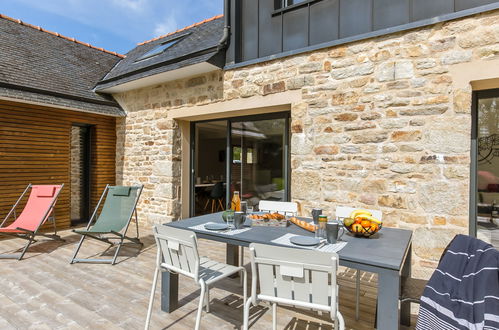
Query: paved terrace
[[44, 291]]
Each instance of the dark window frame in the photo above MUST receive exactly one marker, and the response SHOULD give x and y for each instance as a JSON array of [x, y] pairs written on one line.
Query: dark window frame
[[282, 6], [473, 207], [86, 200], [149, 54]]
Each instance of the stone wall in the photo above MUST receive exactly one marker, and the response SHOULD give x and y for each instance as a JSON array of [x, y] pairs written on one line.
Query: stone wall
[[148, 149], [380, 126], [75, 169]]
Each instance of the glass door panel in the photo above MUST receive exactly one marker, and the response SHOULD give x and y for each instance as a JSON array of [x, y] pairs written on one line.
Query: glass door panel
[[487, 166], [209, 167], [258, 163]]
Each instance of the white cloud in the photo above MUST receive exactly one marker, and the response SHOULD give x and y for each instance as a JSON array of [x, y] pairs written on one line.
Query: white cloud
[[135, 5], [166, 26]]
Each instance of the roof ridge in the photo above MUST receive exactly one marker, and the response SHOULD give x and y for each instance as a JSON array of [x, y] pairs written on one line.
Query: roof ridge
[[182, 29], [59, 35]]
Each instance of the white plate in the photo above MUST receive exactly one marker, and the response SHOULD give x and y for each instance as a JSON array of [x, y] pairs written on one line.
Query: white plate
[[304, 240], [216, 226]]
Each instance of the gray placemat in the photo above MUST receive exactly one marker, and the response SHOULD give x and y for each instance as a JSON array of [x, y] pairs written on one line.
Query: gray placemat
[[285, 240], [223, 232]]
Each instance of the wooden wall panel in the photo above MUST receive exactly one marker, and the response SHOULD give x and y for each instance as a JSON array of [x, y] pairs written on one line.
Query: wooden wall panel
[[35, 146]]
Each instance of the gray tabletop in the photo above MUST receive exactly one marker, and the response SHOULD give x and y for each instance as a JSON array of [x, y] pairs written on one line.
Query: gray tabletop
[[385, 249]]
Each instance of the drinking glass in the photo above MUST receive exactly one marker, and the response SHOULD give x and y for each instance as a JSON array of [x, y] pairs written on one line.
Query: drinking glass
[[230, 220], [249, 209]]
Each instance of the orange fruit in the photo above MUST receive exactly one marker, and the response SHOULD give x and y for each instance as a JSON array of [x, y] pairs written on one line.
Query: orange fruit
[[366, 223], [358, 219], [374, 227]]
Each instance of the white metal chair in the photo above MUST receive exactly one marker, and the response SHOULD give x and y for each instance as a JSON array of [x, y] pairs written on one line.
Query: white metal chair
[[178, 253], [286, 208], [344, 212], [300, 278]]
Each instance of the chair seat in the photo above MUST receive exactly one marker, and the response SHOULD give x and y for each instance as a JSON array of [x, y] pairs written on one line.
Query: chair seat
[[10, 230], [90, 231], [412, 288], [211, 271]]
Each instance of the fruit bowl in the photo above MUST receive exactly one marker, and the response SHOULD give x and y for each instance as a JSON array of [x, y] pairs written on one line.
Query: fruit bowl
[[362, 224]]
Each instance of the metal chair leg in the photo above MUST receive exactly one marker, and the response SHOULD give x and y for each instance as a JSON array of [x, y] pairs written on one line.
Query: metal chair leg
[[26, 247], [247, 305], [274, 316], [117, 251], [77, 249], [200, 307], [207, 294], [137, 223], [151, 299], [341, 321], [245, 284], [357, 295]]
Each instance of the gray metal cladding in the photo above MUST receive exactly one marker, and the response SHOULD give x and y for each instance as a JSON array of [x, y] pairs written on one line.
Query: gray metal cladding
[[269, 29], [362, 11], [262, 29], [322, 27]]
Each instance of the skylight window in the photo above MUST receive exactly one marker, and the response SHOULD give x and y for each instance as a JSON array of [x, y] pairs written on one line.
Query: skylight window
[[159, 49]]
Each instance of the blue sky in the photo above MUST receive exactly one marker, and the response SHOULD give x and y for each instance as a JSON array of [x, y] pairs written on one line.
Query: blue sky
[[116, 25]]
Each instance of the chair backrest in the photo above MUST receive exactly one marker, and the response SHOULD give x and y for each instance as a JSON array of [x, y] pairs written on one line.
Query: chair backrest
[[344, 212], [297, 277], [290, 208], [118, 208], [38, 208], [178, 249], [217, 191]]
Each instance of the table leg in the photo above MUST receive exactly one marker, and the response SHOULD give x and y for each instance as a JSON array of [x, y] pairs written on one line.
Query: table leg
[[169, 292], [405, 308], [388, 300], [232, 256]]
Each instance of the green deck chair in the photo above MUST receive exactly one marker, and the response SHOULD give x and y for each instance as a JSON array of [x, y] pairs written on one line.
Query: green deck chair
[[112, 224]]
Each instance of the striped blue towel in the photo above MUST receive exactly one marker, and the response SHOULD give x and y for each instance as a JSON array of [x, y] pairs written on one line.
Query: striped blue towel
[[463, 292]]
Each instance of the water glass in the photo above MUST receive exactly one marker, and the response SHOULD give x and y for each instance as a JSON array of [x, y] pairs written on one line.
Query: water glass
[[230, 220], [315, 215], [332, 229], [239, 218]]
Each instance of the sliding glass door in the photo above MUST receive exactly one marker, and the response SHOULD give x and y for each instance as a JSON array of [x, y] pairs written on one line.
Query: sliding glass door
[[485, 143], [258, 167], [245, 154]]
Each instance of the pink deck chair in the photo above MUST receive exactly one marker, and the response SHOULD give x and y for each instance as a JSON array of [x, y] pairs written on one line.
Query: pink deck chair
[[38, 209]]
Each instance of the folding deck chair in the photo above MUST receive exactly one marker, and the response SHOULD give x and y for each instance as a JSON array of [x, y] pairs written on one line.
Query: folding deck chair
[[113, 221], [38, 209]]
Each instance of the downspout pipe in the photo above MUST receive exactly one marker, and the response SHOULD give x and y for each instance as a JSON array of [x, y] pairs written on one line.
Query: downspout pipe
[[225, 37]]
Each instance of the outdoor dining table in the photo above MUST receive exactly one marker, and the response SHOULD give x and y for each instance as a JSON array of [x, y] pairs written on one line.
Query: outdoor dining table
[[387, 253]]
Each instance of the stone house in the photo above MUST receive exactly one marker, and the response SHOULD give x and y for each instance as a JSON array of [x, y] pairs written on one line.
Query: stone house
[[380, 104], [373, 100]]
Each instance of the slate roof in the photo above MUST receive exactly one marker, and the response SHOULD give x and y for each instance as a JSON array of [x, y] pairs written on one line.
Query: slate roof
[[198, 43], [42, 66]]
